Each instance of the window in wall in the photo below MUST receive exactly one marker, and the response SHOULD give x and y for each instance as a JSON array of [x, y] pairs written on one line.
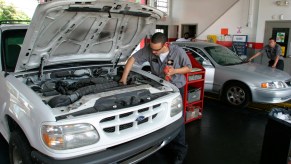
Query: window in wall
[[162, 29], [162, 5]]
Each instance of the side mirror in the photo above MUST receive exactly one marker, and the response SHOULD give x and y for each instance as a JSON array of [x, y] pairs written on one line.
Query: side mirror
[[206, 63]]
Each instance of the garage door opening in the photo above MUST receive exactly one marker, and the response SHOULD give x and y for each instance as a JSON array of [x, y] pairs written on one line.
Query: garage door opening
[[190, 28]]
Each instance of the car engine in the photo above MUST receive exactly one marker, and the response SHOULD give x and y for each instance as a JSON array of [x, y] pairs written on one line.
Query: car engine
[[64, 89]]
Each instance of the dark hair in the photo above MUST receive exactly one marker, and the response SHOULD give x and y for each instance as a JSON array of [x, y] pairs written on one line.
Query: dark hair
[[272, 39], [159, 38]]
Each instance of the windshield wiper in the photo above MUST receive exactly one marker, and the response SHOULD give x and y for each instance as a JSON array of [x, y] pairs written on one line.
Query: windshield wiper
[[242, 62]]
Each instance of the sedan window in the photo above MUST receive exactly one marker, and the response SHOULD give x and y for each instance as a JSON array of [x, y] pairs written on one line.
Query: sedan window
[[223, 56], [198, 56], [199, 51]]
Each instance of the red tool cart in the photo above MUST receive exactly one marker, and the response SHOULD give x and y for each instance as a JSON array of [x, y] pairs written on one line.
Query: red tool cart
[[194, 91]]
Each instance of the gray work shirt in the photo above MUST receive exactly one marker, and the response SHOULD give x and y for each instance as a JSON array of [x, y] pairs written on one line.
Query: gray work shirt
[[272, 53], [177, 58]]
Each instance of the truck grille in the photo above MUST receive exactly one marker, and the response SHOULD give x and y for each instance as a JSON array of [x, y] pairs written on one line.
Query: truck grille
[[133, 119]]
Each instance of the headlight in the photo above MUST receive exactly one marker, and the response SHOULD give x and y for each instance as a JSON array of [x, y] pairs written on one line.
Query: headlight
[[69, 136], [176, 106], [273, 85]]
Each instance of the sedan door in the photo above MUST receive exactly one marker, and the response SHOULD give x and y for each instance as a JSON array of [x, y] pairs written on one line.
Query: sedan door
[[206, 63]]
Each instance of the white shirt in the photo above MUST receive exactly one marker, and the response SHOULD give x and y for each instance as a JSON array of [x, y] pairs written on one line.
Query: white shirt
[[163, 56]]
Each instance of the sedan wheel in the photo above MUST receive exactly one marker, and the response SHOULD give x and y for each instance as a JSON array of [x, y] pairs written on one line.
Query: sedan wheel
[[237, 94]]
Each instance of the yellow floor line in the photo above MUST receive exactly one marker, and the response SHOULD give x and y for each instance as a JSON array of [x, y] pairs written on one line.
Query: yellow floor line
[[258, 106]]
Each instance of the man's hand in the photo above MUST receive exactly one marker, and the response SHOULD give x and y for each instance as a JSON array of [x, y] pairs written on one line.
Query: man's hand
[[171, 71], [126, 70], [123, 81], [273, 66], [256, 55]]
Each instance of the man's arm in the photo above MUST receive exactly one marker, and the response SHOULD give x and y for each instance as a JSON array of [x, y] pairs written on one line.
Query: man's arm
[[181, 70], [275, 62], [256, 55], [127, 69], [278, 53], [140, 57]]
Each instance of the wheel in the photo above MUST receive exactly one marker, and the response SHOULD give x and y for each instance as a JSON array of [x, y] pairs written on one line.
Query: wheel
[[19, 149], [237, 94]]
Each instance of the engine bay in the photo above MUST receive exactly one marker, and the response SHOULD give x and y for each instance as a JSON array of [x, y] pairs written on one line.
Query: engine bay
[[70, 89]]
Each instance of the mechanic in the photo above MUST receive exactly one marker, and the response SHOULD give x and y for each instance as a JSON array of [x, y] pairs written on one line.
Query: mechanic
[[274, 53], [160, 55]]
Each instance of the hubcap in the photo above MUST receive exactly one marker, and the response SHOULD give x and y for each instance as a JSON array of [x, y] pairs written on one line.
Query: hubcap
[[236, 95], [16, 156]]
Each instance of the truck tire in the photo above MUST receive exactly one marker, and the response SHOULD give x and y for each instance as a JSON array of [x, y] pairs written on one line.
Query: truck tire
[[19, 149]]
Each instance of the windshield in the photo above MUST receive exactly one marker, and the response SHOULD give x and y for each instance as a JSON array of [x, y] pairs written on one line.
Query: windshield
[[223, 56]]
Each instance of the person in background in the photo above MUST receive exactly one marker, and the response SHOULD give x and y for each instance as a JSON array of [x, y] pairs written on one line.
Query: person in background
[[274, 53], [185, 39], [160, 55]]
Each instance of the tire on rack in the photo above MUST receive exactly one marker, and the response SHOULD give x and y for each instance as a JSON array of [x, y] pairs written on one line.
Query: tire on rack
[[236, 94], [19, 149]]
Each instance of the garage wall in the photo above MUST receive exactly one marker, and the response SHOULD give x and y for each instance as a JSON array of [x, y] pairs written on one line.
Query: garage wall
[[212, 15], [236, 17], [200, 12], [268, 10]]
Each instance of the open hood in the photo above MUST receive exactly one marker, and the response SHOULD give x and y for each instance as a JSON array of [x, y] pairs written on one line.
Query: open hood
[[65, 31]]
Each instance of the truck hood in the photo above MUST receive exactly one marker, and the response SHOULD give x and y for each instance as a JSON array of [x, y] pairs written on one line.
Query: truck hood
[[258, 71], [67, 31]]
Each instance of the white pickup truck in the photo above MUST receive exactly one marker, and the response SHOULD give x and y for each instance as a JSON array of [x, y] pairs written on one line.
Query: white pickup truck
[[61, 100]]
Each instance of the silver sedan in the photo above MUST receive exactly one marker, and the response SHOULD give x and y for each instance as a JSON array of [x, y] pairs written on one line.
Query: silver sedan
[[238, 82]]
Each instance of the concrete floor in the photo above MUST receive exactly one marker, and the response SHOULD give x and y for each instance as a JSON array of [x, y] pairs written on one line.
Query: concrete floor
[[224, 135]]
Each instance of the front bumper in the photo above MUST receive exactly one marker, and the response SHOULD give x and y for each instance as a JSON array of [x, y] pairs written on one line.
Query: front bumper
[[130, 152], [271, 95]]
